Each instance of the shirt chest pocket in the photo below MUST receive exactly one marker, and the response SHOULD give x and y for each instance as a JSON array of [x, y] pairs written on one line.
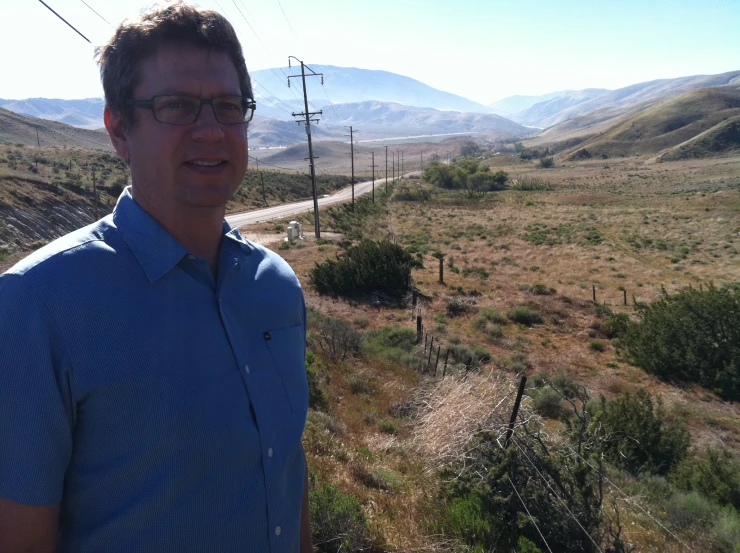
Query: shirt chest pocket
[[287, 348]]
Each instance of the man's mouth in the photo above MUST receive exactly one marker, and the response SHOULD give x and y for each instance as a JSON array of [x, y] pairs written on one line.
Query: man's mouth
[[204, 163]]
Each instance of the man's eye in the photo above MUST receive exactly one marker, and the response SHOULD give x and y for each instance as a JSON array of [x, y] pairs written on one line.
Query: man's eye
[[229, 106], [177, 104]]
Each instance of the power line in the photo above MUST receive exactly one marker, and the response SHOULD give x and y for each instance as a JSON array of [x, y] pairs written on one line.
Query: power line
[[627, 498], [67, 22], [289, 25], [96, 13], [530, 515], [556, 495], [270, 164]]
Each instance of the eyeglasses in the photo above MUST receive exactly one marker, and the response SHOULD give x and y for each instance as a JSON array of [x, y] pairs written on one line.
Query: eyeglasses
[[178, 109]]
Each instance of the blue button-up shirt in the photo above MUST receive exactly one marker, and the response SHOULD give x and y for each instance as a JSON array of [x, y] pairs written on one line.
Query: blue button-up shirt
[[162, 407]]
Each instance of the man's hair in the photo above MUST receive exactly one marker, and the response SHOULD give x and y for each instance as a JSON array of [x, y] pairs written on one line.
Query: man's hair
[[173, 23]]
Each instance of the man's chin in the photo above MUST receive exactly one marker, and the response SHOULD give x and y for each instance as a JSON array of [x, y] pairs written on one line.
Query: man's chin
[[209, 196]]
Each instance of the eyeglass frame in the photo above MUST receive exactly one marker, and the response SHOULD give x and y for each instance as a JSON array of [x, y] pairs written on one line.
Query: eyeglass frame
[[249, 104]]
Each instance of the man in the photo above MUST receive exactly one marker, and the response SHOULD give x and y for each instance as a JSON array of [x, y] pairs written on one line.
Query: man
[[153, 390]]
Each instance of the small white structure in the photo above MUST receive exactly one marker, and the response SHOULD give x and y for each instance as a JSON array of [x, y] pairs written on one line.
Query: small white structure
[[295, 231]]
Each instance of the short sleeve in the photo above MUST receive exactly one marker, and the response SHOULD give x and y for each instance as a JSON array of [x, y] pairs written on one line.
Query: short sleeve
[[35, 398]]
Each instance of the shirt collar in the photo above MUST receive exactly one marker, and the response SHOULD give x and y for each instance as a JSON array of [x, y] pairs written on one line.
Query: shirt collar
[[156, 250]]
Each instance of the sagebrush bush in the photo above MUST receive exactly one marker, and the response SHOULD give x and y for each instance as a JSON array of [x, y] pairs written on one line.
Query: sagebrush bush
[[524, 315], [691, 336], [489, 316], [457, 307], [635, 436], [335, 337], [716, 476], [338, 522], [316, 394], [366, 268], [548, 403]]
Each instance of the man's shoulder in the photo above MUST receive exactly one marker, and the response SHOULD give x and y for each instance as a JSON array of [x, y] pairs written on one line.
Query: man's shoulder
[[270, 263], [71, 251]]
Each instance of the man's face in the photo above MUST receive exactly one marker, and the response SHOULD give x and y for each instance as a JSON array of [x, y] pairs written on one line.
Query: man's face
[[172, 167]]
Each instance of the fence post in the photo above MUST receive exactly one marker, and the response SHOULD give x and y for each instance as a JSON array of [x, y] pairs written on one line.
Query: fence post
[[441, 271], [436, 363], [625, 296], [431, 348], [418, 329], [426, 338], [470, 364], [413, 298], [593, 286], [447, 355], [515, 412]]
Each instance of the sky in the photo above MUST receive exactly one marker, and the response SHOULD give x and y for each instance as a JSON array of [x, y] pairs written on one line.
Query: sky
[[484, 50]]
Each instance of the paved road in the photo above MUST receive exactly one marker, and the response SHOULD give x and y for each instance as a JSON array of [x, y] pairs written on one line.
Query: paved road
[[286, 210]]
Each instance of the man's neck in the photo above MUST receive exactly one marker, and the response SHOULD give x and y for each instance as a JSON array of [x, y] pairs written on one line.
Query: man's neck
[[198, 229]]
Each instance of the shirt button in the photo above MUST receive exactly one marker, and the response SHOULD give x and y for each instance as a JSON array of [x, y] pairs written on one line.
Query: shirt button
[[246, 369], [277, 530], [269, 452]]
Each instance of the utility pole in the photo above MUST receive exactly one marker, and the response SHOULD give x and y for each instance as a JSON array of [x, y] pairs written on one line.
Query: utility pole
[[374, 179], [386, 170], [402, 163], [352, 154], [307, 115], [394, 165]]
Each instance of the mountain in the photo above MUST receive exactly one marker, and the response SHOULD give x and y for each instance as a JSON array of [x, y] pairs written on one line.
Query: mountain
[[265, 132], [21, 129], [542, 111], [620, 101], [86, 114], [514, 104], [392, 119], [350, 84], [671, 123]]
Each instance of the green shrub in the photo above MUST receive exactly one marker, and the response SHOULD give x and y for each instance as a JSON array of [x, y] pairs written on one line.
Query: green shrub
[[692, 336], [596, 346], [359, 385], [716, 477], [541, 290], [615, 325], [316, 395], [457, 307], [548, 403], [338, 522], [547, 163], [726, 532], [690, 510], [335, 337], [387, 426], [487, 315], [366, 268], [361, 321], [524, 315], [635, 436]]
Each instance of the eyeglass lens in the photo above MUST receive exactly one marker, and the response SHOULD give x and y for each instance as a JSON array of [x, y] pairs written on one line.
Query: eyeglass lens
[[184, 109]]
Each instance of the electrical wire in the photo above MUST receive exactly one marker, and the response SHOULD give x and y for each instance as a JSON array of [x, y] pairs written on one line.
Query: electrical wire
[[556, 494], [289, 25], [627, 499], [96, 13], [270, 164], [67, 22], [530, 515]]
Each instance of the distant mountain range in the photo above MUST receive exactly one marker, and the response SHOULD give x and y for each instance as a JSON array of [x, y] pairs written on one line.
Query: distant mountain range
[[21, 129], [387, 105], [349, 84]]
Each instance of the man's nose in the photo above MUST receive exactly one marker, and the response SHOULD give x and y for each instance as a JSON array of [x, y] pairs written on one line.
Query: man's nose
[[207, 128]]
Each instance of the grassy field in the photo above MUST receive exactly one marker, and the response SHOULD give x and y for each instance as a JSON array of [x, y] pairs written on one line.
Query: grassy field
[[614, 226]]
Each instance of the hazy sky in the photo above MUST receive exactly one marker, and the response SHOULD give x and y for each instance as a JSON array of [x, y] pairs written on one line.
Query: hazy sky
[[481, 49]]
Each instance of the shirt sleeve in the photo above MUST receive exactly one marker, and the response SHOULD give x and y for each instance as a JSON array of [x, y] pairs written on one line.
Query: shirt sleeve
[[36, 417]]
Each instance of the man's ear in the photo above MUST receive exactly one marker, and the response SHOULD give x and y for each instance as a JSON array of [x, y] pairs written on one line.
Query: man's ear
[[117, 132]]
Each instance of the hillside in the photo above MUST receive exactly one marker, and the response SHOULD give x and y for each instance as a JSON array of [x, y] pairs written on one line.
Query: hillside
[[514, 104], [667, 124], [20, 129], [722, 139], [620, 101], [267, 132], [387, 119], [86, 114], [542, 111]]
